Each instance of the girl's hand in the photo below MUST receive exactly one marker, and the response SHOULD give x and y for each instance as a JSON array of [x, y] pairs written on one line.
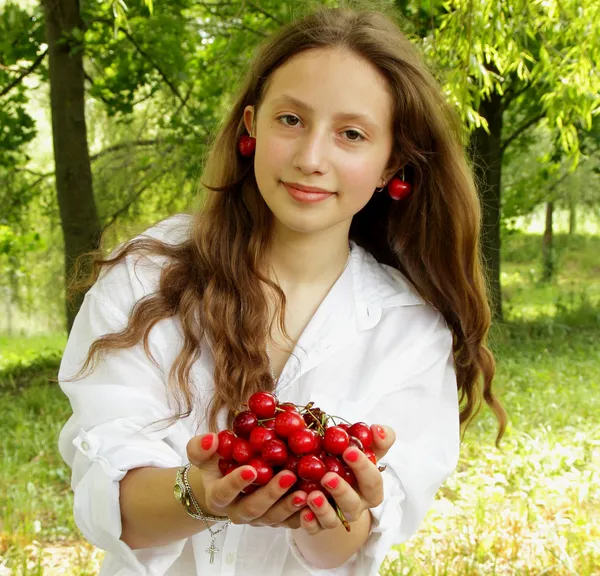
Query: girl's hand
[[221, 496], [322, 515]]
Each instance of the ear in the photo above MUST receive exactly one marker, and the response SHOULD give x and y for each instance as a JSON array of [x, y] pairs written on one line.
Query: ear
[[394, 165], [249, 119]]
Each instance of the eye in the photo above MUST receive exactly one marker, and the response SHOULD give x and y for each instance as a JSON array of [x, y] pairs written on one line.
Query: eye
[[359, 136], [280, 118]]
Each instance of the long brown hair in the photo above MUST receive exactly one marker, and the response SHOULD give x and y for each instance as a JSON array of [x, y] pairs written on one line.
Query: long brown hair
[[212, 280]]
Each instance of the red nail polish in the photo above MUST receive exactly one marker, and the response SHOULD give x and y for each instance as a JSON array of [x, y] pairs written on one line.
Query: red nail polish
[[206, 442], [298, 501], [380, 432], [319, 501], [333, 483], [309, 516], [287, 480], [352, 456], [248, 474]]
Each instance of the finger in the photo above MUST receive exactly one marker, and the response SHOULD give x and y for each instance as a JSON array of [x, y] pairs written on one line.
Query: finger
[[282, 510], [309, 522], [294, 521], [202, 448], [369, 479], [383, 439], [323, 510], [348, 499], [224, 491], [258, 503]]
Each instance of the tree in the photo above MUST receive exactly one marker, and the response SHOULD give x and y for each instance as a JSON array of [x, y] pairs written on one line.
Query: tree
[[535, 61]]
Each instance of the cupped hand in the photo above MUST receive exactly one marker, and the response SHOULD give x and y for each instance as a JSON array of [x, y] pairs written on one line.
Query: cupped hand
[[269, 505], [352, 502]]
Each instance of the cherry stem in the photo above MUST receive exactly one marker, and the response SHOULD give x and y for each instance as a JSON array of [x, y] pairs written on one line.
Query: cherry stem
[[342, 518]]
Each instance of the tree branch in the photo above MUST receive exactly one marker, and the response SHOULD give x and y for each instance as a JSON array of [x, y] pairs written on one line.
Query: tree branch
[[265, 13], [121, 146], [528, 123], [143, 53], [137, 194], [29, 70]]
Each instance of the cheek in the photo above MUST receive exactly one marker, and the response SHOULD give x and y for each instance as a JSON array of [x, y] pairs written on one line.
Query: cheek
[[271, 155], [359, 177]]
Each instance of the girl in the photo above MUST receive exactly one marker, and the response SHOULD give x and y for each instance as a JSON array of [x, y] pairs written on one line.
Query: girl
[[335, 261]]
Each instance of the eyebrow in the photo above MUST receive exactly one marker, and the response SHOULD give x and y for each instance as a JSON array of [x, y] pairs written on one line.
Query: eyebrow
[[342, 115]]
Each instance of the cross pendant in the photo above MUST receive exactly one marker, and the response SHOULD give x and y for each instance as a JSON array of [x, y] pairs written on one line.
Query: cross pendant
[[212, 551]]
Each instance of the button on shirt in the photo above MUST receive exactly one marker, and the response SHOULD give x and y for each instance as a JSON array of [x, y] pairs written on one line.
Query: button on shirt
[[374, 351]]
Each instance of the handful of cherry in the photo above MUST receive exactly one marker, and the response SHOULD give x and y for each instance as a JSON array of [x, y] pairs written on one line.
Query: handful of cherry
[[272, 437]]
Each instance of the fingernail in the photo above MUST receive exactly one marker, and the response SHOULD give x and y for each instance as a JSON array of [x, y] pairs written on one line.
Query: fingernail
[[318, 501], [351, 456], [287, 480], [380, 432], [309, 516], [248, 474], [298, 501], [333, 483], [206, 442]]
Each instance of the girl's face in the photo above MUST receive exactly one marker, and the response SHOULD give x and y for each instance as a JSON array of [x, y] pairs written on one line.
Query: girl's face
[[325, 121]]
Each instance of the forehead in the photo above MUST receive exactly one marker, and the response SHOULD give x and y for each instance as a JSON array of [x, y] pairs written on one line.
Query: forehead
[[332, 81]]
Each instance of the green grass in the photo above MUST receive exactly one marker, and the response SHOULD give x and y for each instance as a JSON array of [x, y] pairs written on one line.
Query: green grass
[[531, 508]]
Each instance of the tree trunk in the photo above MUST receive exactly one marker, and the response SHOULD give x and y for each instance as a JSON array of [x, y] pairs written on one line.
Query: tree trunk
[[548, 245], [79, 217], [572, 211], [486, 151]]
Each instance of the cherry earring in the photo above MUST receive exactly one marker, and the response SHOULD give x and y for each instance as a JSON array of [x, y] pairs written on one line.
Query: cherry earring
[[398, 188], [246, 145]]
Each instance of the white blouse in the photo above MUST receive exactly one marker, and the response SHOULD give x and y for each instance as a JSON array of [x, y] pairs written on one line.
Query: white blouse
[[374, 351]]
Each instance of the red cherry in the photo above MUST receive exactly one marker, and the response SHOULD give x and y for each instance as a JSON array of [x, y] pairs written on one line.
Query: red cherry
[[363, 432], [371, 456], [269, 424], [307, 486], [246, 145], [244, 423], [291, 463], [274, 452], [286, 422], [398, 189], [336, 440], [242, 450], [333, 465], [349, 477], [250, 488], [311, 468], [225, 449], [259, 436], [263, 404], [225, 466], [345, 427], [356, 443], [288, 407], [264, 472], [303, 441]]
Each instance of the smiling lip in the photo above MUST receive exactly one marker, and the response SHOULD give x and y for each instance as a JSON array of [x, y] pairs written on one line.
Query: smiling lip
[[311, 189]]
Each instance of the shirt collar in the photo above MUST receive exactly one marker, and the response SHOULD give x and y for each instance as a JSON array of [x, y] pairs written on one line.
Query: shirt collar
[[377, 286]]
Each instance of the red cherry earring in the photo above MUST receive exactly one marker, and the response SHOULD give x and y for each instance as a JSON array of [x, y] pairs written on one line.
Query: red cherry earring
[[398, 188], [246, 145]]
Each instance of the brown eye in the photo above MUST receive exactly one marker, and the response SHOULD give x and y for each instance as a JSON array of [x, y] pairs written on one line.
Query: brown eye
[[358, 136], [291, 117]]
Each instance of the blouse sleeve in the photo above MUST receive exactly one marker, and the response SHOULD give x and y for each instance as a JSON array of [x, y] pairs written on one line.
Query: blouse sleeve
[[109, 434], [422, 408]]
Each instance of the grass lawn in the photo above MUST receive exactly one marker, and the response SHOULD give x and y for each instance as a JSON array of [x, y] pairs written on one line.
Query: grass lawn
[[531, 508]]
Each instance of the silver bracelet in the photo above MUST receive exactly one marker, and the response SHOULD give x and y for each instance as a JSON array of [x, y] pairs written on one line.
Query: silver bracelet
[[184, 495]]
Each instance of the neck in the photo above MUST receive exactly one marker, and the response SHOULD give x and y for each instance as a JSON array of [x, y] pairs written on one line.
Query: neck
[[306, 260]]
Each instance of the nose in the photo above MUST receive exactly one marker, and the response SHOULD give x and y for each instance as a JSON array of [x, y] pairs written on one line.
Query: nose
[[312, 151]]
